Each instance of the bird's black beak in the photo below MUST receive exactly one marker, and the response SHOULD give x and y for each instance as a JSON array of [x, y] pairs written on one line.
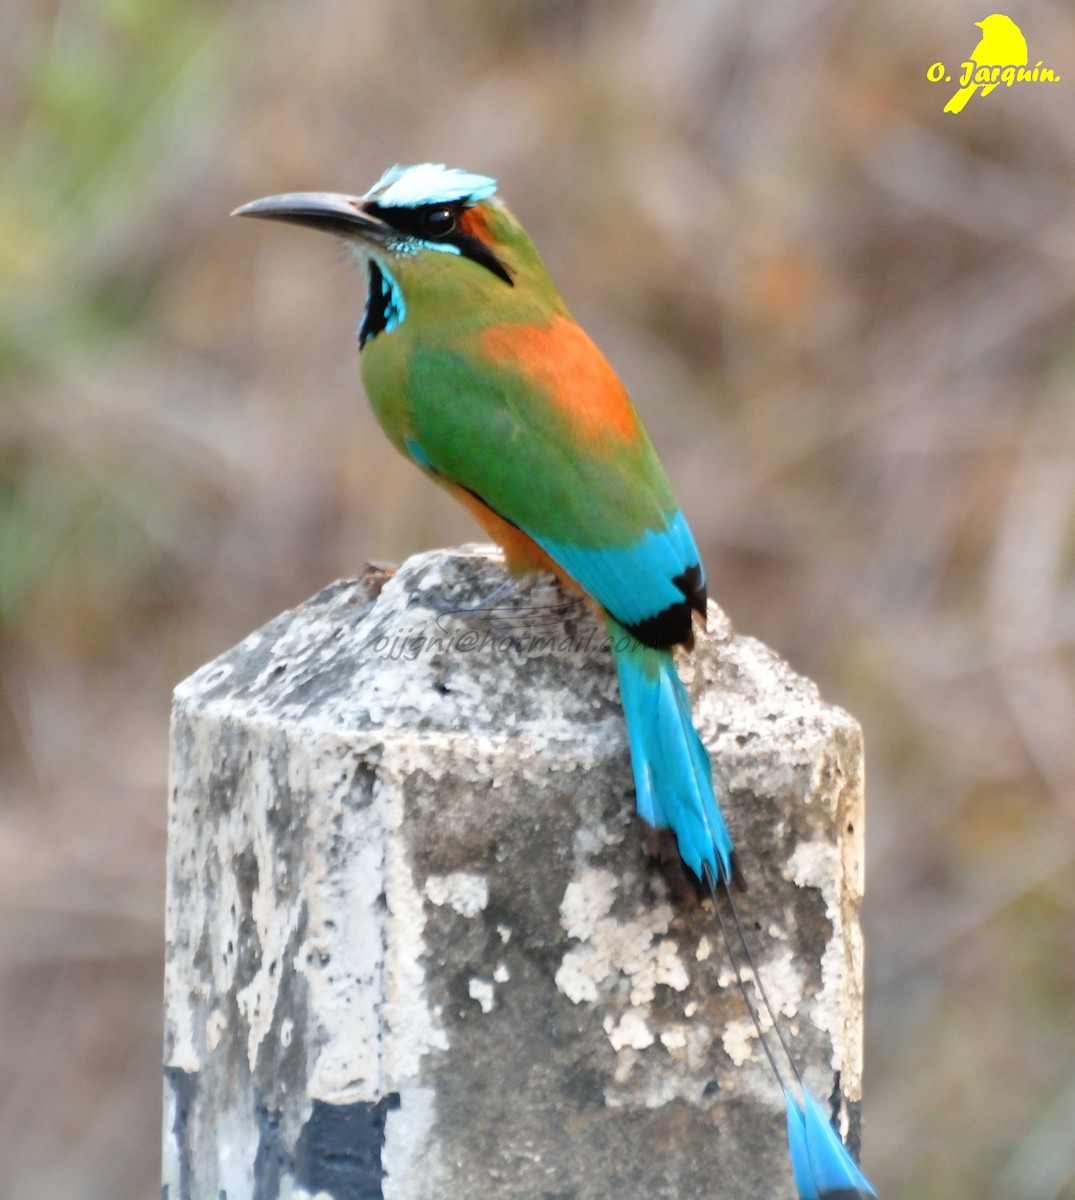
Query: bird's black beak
[[342, 215]]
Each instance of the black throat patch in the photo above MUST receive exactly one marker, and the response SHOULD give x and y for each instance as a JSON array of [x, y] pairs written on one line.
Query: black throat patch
[[384, 305]]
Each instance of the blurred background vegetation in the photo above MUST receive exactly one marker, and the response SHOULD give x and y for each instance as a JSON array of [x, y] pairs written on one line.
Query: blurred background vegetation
[[847, 319]]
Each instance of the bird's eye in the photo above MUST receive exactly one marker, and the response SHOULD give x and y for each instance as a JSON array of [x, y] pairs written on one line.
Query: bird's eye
[[438, 222]]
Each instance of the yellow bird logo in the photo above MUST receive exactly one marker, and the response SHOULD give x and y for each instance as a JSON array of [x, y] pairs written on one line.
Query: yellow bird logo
[[1002, 45]]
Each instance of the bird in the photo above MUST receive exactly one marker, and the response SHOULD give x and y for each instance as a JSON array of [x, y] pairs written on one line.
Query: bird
[[480, 376], [1002, 45]]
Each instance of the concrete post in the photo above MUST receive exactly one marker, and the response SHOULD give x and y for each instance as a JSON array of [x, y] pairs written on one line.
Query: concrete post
[[415, 950]]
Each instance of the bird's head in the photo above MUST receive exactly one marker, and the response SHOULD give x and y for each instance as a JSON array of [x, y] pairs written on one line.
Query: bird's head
[[996, 23], [433, 239]]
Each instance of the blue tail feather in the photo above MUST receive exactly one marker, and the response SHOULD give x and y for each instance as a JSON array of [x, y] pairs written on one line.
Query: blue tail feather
[[671, 766], [674, 790], [800, 1152], [822, 1166]]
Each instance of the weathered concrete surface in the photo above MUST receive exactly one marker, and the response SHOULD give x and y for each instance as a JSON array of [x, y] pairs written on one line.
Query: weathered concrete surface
[[412, 932]]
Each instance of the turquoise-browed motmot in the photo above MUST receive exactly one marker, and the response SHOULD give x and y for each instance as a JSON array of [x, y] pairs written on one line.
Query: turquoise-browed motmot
[[479, 375]]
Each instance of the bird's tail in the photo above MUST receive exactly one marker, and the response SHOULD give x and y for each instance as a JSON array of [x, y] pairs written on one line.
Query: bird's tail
[[821, 1164], [959, 101], [673, 780], [674, 791]]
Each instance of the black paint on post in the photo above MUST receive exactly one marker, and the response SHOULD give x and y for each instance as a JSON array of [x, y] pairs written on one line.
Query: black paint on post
[[339, 1149], [183, 1084], [272, 1159]]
